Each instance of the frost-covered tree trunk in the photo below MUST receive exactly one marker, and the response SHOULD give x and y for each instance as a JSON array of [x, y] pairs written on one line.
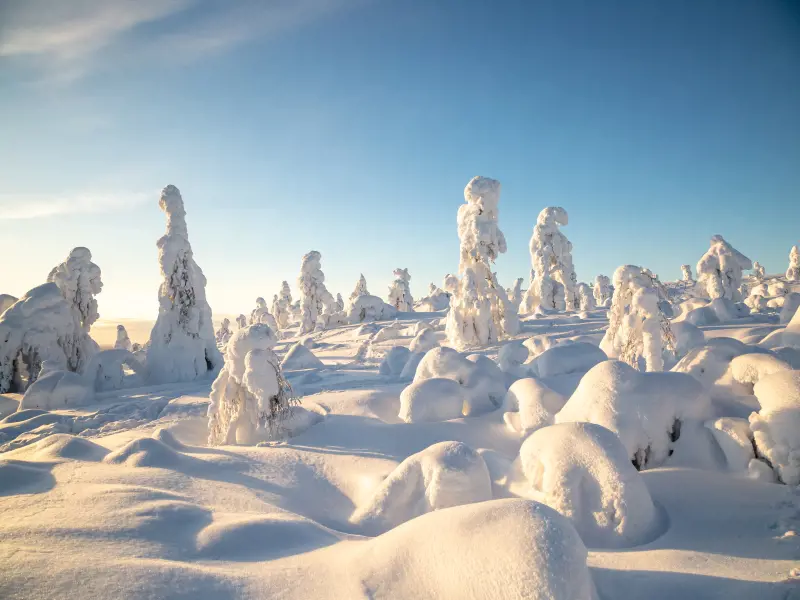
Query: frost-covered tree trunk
[[720, 270], [602, 290], [123, 341], [793, 272], [314, 296], [400, 292], [553, 285], [78, 279], [480, 311], [182, 343], [638, 331], [250, 397], [686, 274]]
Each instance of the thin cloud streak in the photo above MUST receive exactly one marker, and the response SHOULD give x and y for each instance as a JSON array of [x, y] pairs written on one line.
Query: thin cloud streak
[[38, 206]]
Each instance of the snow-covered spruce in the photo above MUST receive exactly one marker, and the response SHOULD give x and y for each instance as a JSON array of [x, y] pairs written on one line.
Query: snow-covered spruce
[[719, 271], [261, 314], [686, 274], [250, 397], [562, 462], [602, 290], [224, 332], [360, 289], [283, 308], [645, 410], [123, 342], [182, 344], [758, 270], [400, 292], [39, 327], [585, 297], [480, 311], [314, 296], [553, 285], [793, 272], [638, 331], [241, 321], [78, 278]]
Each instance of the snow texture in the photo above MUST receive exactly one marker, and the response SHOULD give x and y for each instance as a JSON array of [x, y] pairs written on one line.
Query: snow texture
[[425, 340], [582, 470], [432, 399], [719, 271], [553, 285], [182, 344], [394, 361], [400, 292], [758, 270], [367, 309]]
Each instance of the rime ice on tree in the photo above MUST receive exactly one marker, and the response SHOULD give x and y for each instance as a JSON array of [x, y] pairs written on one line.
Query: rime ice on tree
[[182, 343], [553, 285], [793, 272], [314, 296], [399, 291], [638, 332], [720, 270], [480, 311]]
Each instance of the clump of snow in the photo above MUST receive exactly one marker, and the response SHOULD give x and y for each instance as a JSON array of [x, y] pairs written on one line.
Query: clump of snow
[[425, 340], [638, 331], [553, 285], [437, 299], [394, 361], [603, 291], [719, 271], [261, 314], [776, 426], [515, 293], [511, 358], [366, 309], [300, 357], [224, 332], [417, 328], [530, 405], [480, 311], [793, 272], [57, 389], [360, 289], [719, 310], [582, 470], [389, 332], [567, 358], [687, 337], [646, 410], [750, 368], [39, 327], [686, 274], [182, 345], [432, 399], [314, 296], [400, 292], [735, 439], [6, 301], [441, 476], [249, 398]]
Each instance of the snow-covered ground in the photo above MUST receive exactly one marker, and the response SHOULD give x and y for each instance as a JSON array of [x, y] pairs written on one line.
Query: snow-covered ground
[[123, 498]]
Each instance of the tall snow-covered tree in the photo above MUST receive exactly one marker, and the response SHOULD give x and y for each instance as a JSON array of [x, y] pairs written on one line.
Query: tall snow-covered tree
[[400, 292], [78, 279], [638, 331], [553, 285], [719, 271], [182, 343], [480, 311], [602, 290], [793, 272], [123, 342], [339, 303], [585, 296], [360, 289], [686, 274], [283, 309], [314, 296]]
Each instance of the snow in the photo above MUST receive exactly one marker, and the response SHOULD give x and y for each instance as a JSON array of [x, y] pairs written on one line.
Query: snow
[[314, 296], [793, 272], [776, 425], [530, 405], [123, 342], [394, 361], [603, 291], [568, 358], [300, 357], [261, 314], [6, 301], [553, 284], [582, 470], [719, 271], [646, 410], [425, 340], [400, 293], [432, 399]]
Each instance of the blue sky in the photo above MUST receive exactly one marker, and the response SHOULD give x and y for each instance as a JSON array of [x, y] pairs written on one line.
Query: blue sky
[[352, 126]]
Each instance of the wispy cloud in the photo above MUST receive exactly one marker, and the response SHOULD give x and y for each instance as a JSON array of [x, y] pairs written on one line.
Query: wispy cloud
[[35, 206], [69, 37]]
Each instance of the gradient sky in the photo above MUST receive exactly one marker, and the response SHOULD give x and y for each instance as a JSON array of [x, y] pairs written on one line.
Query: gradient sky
[[352, 126]]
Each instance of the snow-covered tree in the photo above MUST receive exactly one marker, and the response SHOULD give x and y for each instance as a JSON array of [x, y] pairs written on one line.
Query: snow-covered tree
[[241, 321], [39, 327], [602, 290], [360, 289], [261, 314], [793, 272], [250, 397], [686, 274], [282, 309], [585, 296], [720, 270], [314, 296], [758, 270], [399, 291], [339, 303], [515, 293], [480, 311], [224, 332], [182, 344], [78, 279], [123, 341], [553, 285], [638, 331]]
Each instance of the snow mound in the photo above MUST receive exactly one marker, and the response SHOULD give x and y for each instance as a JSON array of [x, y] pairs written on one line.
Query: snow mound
[[582, 470], [776, 426], [710, 364], [58, 389], [735, 439], [394, 361], [425, 340], [750, 368], [262, 537], [65, 446], [147, 452], [568, 358], [790, 305], [390, 332], [434, 399], [367, 308], [6, 301], [300, 357], [535, 554], [20, 477], [645, 410], [687, 337], [511, 358], [418, 328], [719, 310], [530, 405], [443, 475]]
